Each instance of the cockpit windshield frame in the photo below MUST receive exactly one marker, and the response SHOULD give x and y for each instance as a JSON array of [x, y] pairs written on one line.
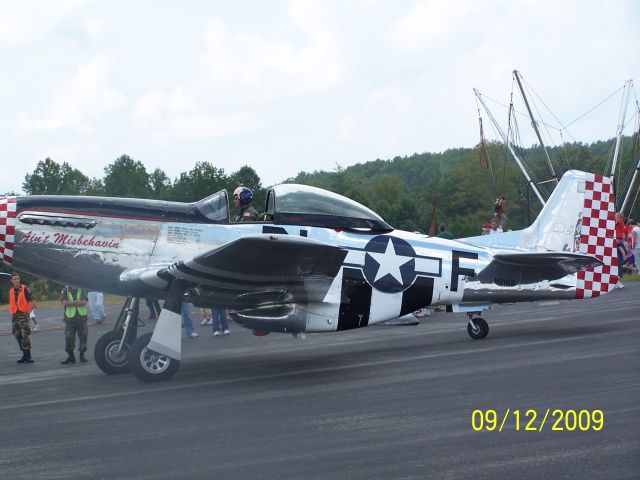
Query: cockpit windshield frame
[[215, 207]]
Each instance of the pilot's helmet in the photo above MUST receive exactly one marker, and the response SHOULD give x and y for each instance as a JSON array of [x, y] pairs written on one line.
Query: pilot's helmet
[[244, 194]]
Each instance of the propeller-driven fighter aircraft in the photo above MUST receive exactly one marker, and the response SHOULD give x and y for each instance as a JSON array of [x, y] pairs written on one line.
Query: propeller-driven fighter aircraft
[[316, 262]]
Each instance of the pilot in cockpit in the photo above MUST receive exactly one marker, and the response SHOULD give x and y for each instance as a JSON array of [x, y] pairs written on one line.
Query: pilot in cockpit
[[242, 197]]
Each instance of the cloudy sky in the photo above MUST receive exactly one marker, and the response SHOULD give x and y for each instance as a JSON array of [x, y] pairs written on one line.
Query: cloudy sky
[[285, 86]]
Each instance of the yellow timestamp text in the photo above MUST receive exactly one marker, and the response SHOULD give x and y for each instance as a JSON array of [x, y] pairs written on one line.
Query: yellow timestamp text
[[535, 421]]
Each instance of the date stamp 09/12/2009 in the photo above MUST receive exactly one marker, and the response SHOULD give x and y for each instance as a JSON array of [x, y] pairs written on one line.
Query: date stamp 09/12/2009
[[532, 420]]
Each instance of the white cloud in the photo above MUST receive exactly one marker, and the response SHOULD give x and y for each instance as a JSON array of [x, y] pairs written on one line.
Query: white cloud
[[22, 24], [85, 96], [154, 106], [299, 85], [431, 24], [271, 66], [379, 122], [175, 116], [204, 126]]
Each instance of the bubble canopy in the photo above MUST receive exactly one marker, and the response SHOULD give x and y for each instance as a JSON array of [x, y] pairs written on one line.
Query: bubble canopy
[[293, 204]]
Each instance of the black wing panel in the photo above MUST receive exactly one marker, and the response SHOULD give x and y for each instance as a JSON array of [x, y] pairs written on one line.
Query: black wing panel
[[262, 270]]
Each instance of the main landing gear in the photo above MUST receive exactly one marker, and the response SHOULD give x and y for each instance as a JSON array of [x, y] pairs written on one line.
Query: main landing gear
[[148, 365], [477, 328], [112, 349], [121, 350]]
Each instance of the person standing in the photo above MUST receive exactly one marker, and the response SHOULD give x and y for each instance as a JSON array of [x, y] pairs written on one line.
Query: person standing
[[220, 324], [444, 233], [635, 239], [96, 306], [75, 322], [186, 320], [622, 251], [242, 197], [494, 228], [154, 308], [20, 306], [205, 313], [34, 317]]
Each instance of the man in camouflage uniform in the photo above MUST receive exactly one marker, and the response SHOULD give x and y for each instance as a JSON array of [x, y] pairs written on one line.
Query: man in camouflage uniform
[[20, 305], [75, 322]]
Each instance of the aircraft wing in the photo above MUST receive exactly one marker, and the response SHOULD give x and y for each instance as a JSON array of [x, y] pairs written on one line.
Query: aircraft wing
[[260, 270], [522, 268]]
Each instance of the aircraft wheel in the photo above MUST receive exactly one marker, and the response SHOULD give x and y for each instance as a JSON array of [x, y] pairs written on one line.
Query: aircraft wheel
[[106, 353], [481, 329], [150, 366]]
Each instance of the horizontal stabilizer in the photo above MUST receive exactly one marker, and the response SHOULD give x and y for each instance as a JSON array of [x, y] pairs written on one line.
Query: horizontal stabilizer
[[521, 268]]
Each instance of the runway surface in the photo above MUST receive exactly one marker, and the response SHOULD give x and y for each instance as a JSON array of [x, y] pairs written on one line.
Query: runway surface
[[376, 403]]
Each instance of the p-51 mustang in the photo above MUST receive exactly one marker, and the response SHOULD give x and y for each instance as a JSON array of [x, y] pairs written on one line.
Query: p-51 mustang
[[317, 262]]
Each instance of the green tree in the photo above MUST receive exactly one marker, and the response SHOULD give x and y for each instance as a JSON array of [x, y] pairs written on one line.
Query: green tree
[[52, 178], [247, 177], [127, 178], [201, 181], [96, 187], [160, 183]]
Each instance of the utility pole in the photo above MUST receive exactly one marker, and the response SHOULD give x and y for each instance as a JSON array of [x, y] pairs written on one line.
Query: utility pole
[[535, 128], [510, 147], [623, 113], [633, 182]]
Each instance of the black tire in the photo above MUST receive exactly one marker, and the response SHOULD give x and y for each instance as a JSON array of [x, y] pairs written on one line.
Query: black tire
[[150, 366], [481, 330], [106, 353]]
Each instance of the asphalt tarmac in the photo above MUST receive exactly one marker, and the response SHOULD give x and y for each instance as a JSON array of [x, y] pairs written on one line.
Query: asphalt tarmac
[[381, 402]]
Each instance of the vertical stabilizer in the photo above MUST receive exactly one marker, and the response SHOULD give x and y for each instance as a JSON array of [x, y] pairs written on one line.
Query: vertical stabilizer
[[579, 217], [597, 238]]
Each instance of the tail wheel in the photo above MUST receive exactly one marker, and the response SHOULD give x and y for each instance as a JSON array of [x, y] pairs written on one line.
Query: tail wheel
[[478, 328], [109, 357], [150, 366]]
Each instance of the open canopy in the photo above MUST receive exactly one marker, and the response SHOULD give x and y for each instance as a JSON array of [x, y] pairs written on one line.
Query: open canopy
[[293, 204]]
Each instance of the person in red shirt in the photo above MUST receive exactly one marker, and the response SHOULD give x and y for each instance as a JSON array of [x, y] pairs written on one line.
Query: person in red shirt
[[622, 251]]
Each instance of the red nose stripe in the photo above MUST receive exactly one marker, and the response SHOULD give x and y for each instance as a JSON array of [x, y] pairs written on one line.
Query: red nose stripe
[[7, 228]]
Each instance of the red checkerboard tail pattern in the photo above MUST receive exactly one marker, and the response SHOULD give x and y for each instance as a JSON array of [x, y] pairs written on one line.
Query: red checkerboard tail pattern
[[597, 238], [7, 228]]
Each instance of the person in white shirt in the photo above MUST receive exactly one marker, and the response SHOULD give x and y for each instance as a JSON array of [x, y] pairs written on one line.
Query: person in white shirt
[[495, 228], [635, 240]]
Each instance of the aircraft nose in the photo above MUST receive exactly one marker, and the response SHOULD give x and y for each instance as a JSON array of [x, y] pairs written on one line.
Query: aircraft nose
[[8, 208]]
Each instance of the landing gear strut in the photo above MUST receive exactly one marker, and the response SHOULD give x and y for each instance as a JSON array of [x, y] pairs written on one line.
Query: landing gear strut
[[477, 327], [112, 348]]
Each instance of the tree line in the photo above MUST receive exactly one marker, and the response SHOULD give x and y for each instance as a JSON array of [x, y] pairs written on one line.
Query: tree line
[[456, 187]]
